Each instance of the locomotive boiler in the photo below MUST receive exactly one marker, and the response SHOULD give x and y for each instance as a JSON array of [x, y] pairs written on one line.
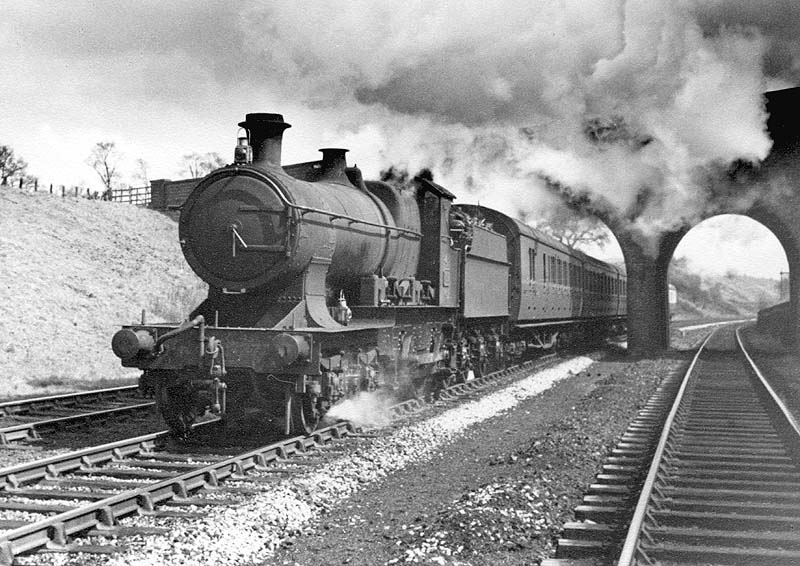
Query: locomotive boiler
[[322, 284]]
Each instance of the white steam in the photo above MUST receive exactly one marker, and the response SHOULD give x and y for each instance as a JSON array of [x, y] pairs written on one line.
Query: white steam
[[629, 104], [368, 409]]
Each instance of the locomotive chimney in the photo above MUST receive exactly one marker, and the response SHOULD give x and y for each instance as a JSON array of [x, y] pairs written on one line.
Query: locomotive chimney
[[333, 165], [266, 137]]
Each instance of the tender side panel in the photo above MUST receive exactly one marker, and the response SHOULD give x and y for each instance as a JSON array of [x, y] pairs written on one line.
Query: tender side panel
[[486, 272]]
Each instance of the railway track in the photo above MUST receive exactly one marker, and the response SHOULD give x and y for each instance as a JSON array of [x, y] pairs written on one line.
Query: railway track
[[718, 482], [27, 419], [52, 504]]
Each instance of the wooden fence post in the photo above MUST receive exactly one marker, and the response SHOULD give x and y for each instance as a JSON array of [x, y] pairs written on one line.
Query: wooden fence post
[[36, 185], [20, 182], [51, 188], [63, 191]]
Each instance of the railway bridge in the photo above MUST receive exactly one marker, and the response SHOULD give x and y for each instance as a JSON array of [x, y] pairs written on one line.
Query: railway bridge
[[776, 186]]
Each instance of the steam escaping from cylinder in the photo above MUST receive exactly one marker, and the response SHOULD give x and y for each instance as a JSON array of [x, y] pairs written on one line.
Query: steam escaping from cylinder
[[368, 409]]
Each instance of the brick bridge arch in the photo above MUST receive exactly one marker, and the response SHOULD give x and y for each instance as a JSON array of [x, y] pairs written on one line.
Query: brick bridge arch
[[779, 174]]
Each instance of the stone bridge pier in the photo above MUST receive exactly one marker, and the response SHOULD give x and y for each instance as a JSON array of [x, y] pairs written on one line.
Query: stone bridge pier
[[776, 182]]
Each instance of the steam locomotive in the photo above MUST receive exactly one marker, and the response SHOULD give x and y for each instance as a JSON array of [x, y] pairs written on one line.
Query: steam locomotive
[[322, 284]]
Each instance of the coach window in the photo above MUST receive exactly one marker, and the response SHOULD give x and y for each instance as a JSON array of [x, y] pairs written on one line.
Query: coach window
[[532, 264]]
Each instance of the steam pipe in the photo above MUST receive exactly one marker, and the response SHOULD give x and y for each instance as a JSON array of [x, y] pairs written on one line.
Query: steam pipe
[[184, 326]]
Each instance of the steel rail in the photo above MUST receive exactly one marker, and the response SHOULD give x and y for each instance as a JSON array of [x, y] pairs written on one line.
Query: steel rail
[[635, 528], [460, 389], [56, 529], [18, 474], [784, 411], [20, 406], [75, 403], [31, 430], [737, 504]]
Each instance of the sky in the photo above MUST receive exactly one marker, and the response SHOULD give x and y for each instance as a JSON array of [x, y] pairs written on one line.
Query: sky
[[626, 105]]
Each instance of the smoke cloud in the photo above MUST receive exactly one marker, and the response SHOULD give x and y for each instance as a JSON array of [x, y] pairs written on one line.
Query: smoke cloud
[[626, 105]]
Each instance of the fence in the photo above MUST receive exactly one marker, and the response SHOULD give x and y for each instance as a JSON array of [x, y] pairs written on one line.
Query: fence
[[161, 194], [139, 196]]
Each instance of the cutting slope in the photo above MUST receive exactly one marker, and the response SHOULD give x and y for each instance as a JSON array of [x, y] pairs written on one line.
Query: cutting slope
[[72, 271]]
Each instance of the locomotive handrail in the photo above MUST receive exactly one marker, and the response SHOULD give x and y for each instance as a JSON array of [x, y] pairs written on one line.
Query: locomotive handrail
[[335, 216]]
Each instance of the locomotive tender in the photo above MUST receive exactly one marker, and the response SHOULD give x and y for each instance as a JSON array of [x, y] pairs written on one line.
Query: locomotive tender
[[322, 284]]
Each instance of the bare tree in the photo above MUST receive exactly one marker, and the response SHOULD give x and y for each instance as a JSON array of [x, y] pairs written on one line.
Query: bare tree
[[573, 231], [10, 165], [196, 165], [104, 160]]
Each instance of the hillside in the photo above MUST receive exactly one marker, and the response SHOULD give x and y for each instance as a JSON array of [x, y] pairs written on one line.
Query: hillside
[[73, 271], [732, 295]]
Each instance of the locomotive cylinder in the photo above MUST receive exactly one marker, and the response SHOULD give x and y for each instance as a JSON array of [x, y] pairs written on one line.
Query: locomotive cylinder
[[289, 348]]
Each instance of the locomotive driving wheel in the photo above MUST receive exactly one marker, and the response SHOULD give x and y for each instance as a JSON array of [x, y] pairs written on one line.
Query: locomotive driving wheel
[[301, 415], [177, 406]]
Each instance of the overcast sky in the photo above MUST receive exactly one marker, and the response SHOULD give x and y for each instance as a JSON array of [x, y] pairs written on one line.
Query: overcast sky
[[614, 101]]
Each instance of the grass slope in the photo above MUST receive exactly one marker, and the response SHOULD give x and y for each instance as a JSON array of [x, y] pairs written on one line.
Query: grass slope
[[731, 295], [72, 271]]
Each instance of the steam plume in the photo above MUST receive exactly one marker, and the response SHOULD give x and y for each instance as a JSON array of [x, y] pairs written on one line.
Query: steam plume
[[628, 106]]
